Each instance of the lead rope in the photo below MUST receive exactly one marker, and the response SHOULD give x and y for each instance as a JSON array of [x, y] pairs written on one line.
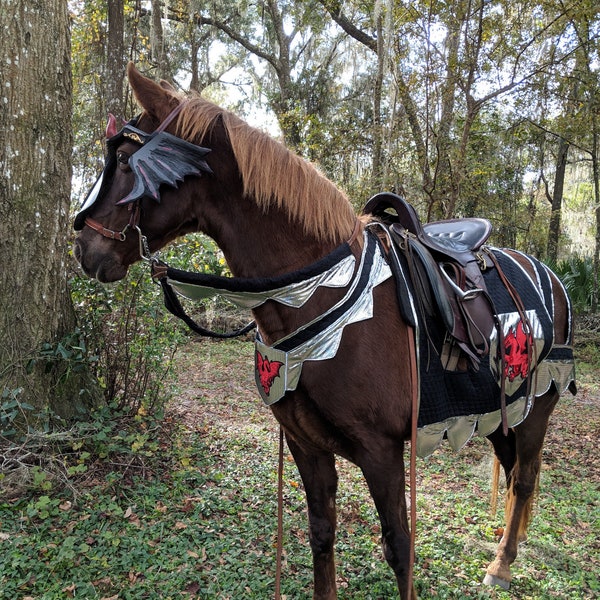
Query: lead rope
[[279, 519], [279, 552]]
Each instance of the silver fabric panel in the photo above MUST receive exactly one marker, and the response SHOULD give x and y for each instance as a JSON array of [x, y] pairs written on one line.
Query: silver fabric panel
[[93, 195], [324, 345], [510, 323], [559, 372], [295, 295], [459, 430]]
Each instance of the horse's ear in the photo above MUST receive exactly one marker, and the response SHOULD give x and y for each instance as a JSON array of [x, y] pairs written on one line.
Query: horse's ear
[[165, 85], [152, 97]]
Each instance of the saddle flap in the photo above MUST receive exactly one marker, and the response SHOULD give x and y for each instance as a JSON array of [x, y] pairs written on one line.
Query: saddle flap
[[453, 291]]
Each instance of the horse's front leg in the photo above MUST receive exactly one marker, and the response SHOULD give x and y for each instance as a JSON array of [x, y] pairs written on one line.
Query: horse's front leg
[[318, 473], [386, 481]]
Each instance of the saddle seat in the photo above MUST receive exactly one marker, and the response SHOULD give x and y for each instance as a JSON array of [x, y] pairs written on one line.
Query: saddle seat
[[456, 238], [445, 268]]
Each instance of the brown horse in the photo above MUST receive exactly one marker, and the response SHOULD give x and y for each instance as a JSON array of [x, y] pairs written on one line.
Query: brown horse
[[273, 214]]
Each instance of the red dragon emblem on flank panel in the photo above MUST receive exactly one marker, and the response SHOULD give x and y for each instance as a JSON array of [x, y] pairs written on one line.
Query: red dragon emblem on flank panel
[[268, 370], [516, 357]]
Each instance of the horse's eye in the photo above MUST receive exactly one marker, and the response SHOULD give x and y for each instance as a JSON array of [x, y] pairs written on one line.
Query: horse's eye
[[123, 158]]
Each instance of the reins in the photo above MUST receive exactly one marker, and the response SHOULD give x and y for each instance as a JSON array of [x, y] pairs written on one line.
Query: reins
[[259, 287], [279, 551], [174, 306]]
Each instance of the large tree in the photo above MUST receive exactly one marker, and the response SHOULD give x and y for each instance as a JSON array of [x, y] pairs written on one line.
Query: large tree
[[35, 173]]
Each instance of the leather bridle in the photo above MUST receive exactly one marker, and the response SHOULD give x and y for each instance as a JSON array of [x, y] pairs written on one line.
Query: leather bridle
[[120, 236]]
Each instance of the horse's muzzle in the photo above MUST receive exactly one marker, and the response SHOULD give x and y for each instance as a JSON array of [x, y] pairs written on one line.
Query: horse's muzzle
[[103, 267]]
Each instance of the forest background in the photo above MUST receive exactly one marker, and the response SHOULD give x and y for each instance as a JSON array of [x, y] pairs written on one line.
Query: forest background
[[466, 108]]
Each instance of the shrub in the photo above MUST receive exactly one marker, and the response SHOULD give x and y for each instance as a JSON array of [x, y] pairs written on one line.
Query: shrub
[[577, 274]]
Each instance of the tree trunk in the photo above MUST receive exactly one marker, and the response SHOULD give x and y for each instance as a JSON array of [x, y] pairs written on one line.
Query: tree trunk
[[377, 167], [557, 197], [159, 55], [596, 176], [35, 175], [115, 59]]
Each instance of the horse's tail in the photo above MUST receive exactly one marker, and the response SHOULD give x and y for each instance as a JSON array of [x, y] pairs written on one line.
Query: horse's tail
[[510, 498], [494, 493]]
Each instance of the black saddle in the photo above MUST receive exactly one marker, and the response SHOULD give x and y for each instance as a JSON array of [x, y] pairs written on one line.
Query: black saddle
[[444, 263], [455, 238]]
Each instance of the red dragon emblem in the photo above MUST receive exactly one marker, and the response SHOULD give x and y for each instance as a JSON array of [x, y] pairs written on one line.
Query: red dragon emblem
[[267, 371], [516, 357]]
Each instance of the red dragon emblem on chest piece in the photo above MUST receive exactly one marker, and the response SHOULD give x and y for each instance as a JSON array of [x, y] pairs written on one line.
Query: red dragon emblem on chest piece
[[268, 370], [516, 356]]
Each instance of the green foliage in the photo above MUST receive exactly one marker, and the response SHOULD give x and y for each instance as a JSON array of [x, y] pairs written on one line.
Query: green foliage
[[203, 510], [129, 339], [577, 274], [11, 409], [197, 252], [68, 355]]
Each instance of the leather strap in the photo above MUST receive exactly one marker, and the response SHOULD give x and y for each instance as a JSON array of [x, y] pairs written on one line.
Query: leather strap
[[120, 236], [355, 232], [531, 349], [279, 557], [169, 119], [107, 233], [414, 377]]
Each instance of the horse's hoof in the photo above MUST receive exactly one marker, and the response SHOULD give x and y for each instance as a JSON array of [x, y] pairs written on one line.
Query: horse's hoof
[[493, 580]]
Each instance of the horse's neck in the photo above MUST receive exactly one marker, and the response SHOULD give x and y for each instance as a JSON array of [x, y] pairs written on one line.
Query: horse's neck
[[258, 244]]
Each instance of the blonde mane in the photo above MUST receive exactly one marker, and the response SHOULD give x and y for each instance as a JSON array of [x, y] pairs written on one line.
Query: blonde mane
[[272, 174]]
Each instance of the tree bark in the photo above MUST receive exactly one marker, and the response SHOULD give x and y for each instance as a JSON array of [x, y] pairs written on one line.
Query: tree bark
[[557, 198], [596, 177], [159, 54], [115, 59], [35, 175], [377, 165]]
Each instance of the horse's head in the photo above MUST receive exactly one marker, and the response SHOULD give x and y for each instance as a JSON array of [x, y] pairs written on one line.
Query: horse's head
[[218, 175], [134, 195]]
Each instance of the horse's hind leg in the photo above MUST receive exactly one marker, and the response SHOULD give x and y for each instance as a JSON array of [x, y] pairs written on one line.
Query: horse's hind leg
[[521, 484], [386, 481], [319, 476]]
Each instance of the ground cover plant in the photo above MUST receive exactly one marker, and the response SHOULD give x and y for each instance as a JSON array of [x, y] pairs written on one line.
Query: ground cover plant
[[186, 508]]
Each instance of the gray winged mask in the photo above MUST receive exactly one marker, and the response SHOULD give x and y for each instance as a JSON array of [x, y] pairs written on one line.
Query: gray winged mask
[[163, 158]]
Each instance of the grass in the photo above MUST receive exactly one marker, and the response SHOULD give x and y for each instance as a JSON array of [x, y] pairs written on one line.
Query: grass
[[197, 517]]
